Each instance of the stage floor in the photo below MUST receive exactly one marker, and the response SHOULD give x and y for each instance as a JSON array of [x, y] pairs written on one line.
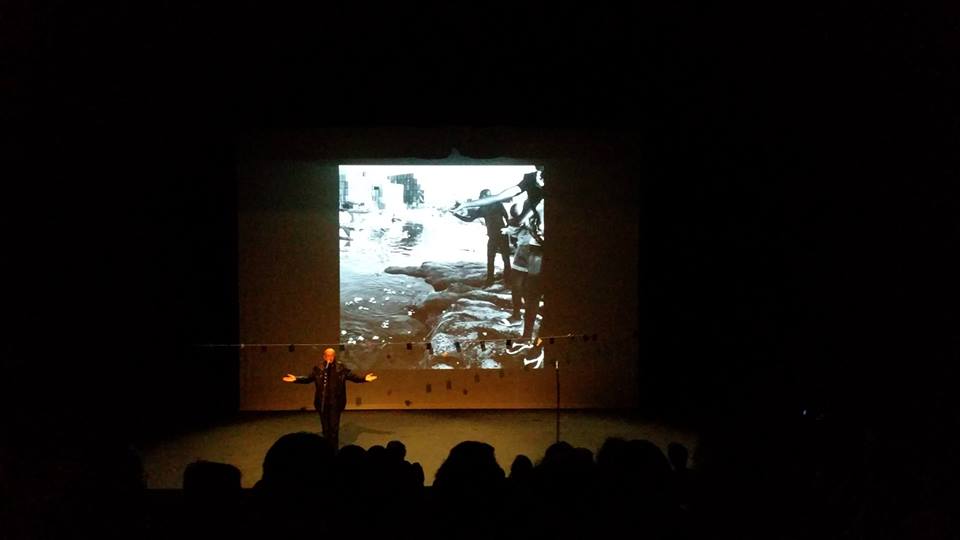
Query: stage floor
[[428, 435]]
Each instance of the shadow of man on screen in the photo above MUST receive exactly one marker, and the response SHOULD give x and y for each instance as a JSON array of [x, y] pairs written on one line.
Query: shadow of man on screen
[[351, 431]]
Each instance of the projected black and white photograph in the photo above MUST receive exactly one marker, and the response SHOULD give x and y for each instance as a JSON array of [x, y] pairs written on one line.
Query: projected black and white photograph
[[447, 259]]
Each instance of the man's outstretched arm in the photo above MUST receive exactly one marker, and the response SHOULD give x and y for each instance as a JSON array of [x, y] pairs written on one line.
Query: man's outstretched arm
[[351, 376], [301, 379], [471, 214], [501, 197]]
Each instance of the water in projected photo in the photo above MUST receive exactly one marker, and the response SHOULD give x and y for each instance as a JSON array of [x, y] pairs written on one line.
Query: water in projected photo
[[414, 248]]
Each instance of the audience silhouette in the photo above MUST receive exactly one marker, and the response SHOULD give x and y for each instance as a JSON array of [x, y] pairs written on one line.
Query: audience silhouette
[[629, 488]]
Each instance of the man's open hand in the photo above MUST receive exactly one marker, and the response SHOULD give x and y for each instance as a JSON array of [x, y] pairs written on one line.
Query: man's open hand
[[289, 377], [370, 377]]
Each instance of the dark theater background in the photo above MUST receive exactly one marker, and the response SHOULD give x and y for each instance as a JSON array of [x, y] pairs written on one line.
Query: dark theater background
[[758, 215]]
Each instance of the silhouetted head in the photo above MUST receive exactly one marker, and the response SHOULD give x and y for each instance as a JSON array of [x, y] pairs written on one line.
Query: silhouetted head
[[377, 454], [297, 461], [329, 354], [582, 457], [521, 467], [614, 454], [349, 459], [471, 467], [558, 454], [351, 451], [206, 478], [484, 193], [651, 465], [514, 219], [397, 450]]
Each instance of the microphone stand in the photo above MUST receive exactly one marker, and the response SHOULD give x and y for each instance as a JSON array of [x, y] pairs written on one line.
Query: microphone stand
[[556, 370]]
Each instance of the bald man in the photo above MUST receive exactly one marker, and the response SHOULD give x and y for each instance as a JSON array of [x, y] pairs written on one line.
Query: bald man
[[330, 397]]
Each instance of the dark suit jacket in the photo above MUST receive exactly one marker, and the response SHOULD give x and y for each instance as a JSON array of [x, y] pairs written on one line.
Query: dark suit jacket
[[331, 388]]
